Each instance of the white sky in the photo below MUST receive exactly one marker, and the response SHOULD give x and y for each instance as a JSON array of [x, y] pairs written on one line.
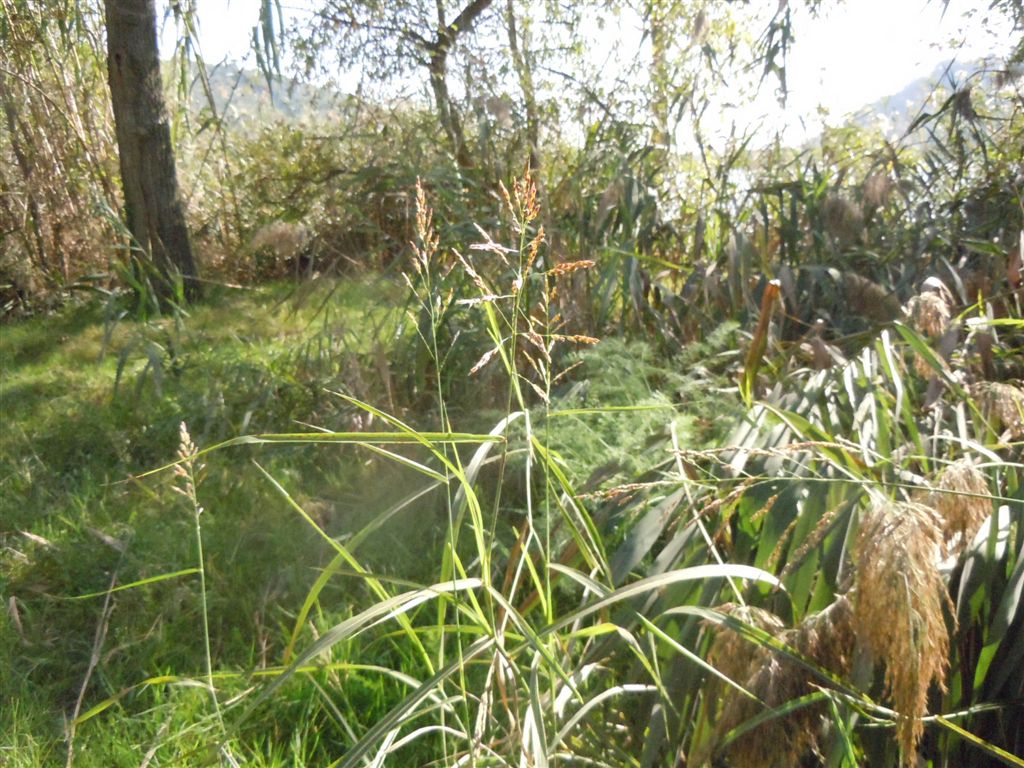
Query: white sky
[[857, 51], [866, 49]]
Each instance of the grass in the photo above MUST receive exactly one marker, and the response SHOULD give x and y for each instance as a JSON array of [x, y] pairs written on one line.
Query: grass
[[595, 553], [76, 431], [767, 523], [91, 406]]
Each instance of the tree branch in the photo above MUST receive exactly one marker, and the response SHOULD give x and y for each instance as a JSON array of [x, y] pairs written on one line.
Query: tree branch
[[463, 22]]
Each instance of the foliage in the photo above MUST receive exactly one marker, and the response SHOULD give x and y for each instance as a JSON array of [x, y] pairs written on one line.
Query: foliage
[[544, 602], [55, 182], [419, 513]]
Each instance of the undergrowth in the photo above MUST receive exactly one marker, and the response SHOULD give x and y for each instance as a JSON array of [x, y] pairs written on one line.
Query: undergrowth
[[463, 532]]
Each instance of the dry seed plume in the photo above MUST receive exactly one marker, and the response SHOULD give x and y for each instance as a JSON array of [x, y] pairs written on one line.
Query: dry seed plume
[[898, 608], [868, 298], [825, 639], [877, 189], [930, 313], [961, 497], [1002, 406], [843, 219], [427, 240], [187, 467], [522, 201]]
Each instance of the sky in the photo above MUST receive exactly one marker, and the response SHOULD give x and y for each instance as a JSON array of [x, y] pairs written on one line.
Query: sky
[[863, 50], [854, 53], [859, 52]]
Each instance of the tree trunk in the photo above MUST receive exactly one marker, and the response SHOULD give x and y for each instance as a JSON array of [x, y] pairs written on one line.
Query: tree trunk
[[525, 74], [447, 112], [438, 50], [573, 301], [153, 207]]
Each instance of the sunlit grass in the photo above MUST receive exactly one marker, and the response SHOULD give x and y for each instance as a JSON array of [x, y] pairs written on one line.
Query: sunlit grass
[[435, 533], [74, 433]]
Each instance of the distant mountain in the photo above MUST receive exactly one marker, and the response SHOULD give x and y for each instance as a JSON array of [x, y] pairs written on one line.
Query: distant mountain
[[892, 115], [242, 95]]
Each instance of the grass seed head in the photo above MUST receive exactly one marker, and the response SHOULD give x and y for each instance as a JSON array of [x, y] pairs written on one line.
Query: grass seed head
[[568, 267], [427, 238], [964, 104], [779, 742], [929, 313], [1002, 405], [758, 671], [522, 200], [898, 608], [186, 467], [825, 638], [961, 497], [868, 298], [877, 189], [186, 448], [843, 219], [534, 249], [730, 653]]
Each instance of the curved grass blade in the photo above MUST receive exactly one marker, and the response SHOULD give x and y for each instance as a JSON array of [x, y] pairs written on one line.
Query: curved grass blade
[[793, 705], [427, 439], [394, 719], [391, 608], [133, 585], [922, 348], [652, 583], [349, 558], [980, 743]]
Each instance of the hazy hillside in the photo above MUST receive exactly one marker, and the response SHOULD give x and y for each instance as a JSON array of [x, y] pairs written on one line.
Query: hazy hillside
[[243, 94], [894, 114]]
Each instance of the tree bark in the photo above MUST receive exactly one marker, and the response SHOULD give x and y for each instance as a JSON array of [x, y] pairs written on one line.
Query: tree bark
[[573, 301], [153, 207], [438, 50], [447, 113], [525, 74]]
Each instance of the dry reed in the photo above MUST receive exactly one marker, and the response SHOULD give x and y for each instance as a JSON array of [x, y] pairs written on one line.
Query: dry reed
[[898, 608], [961, 497], [929, 313], [1002, 406], [825, 639]]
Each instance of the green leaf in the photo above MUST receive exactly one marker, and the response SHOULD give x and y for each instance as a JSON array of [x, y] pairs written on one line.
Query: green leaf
[[936, 363], [391, 608], [133, 585], [1010, 605], [403, 712], [979, 742]]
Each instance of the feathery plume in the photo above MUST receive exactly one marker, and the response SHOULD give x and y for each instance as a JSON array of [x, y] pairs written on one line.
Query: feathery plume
[[961, 497], [898, 608]]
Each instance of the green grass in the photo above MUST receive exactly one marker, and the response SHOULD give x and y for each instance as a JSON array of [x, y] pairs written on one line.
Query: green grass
[[89, 404], [82, 413], [615, 562], [87, 407]]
